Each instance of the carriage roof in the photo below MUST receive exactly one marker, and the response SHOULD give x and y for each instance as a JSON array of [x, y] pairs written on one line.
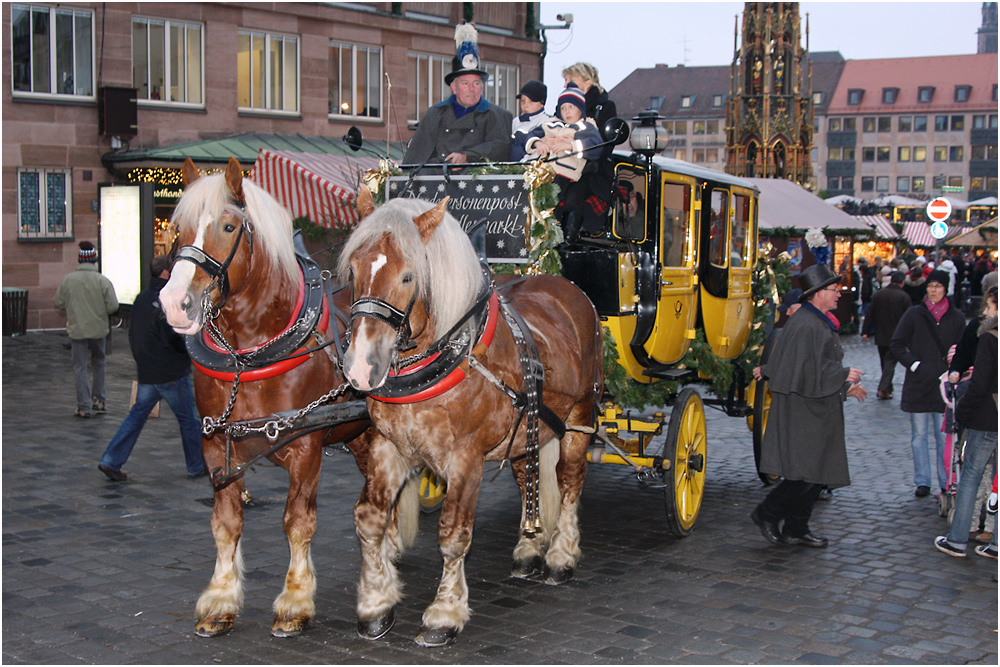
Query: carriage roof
[[693, 170]]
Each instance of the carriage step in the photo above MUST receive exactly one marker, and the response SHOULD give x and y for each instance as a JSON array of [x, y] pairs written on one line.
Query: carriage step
[[667, 373]]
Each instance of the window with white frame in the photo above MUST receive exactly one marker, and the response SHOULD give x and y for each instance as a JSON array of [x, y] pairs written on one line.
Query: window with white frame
[[427, 86], [44, 203], [502, 87], [355, 80], [267, 71], [168, 61], [52, 51]]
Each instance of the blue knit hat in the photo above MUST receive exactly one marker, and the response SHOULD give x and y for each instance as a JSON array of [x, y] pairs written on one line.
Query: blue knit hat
[[572, 95]]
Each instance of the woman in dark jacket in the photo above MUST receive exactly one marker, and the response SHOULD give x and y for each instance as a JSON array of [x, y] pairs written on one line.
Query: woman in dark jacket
[[921, 343], [977, 411], [598, 179]]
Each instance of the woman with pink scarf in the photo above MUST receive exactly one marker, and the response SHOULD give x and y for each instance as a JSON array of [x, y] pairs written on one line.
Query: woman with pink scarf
[[921, 342]]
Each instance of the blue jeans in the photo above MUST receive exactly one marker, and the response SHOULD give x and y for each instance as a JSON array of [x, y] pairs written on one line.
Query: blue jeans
[[179, 395], [85, 394], [979, 447], [923, 427]]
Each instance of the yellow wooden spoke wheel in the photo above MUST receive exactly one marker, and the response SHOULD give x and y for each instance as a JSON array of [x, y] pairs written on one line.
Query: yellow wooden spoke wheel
[[432, 491], [761, 403], [686, 447]]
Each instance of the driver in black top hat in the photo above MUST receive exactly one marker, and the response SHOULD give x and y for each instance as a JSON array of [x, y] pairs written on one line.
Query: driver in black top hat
[[465, 127]]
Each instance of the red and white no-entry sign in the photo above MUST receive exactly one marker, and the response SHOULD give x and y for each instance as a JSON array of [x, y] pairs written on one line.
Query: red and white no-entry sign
[[939, 209]]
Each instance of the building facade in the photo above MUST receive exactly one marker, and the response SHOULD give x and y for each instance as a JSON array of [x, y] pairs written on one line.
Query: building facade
[[918, 127], [204, 71]]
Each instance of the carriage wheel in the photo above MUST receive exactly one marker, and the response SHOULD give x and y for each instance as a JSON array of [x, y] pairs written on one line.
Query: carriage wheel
[[432, 491], [761, 409], [685, 448]]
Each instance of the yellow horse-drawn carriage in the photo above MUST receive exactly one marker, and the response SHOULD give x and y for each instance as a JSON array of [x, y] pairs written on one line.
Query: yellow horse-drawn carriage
[[671, 271]]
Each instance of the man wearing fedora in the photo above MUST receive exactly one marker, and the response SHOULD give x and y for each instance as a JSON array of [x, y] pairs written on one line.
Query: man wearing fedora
[[804, 441], [465, 127]]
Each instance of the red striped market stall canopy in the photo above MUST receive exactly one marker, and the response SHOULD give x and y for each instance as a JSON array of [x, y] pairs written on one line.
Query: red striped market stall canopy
[[318, 186], [918, 234], [883, 228]]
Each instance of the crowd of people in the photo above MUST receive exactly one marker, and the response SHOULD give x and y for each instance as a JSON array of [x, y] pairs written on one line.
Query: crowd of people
[[912, 309], [971, 274]]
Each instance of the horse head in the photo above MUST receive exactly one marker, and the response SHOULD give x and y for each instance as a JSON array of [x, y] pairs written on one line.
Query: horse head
[[229, 232], [413, 273]]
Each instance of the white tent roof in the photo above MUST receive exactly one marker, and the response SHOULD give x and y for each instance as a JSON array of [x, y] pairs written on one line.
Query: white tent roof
[[785, 204], [842, 199], [956, 203], [985, 201], [897, 200]]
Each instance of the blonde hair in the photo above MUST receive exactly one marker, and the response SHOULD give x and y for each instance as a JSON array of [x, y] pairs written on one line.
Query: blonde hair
[[585, 70]]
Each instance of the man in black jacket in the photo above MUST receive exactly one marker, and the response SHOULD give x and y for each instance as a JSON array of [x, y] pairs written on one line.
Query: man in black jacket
[[164, 372], [886, 309]]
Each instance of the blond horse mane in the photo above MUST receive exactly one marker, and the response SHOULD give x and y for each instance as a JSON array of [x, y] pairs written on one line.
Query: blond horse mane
[[210, 196], [447, 269]]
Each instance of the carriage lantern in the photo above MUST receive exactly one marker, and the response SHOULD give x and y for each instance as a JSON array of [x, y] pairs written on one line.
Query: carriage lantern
[[648, 138]]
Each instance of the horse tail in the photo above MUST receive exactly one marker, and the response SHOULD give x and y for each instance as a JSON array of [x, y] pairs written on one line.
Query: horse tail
[[548, 486], [408, 511]]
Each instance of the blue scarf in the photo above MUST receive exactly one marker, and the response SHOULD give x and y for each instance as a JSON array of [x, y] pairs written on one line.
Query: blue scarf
[[462, 111]]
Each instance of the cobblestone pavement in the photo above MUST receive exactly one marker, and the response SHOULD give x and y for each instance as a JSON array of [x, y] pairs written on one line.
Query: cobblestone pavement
[[97, 572]]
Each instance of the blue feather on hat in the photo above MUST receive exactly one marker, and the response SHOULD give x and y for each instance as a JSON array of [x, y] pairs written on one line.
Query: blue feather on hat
[[466, 41]]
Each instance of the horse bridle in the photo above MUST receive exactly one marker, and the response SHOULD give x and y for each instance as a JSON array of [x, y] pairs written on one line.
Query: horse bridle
[[216, 270], [383, 311]]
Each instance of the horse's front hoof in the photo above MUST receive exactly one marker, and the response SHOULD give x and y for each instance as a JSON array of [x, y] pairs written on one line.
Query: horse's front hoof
[[436, 637], [214, 626], [377, 628], [524, 569], [289, 627], [560, 576]]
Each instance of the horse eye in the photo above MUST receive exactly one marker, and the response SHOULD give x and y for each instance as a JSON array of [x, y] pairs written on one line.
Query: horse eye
[[407, 278], [229, 228]]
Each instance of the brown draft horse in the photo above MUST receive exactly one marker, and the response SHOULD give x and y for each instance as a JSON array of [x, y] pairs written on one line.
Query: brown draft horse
[[254, 296], [413, 259]]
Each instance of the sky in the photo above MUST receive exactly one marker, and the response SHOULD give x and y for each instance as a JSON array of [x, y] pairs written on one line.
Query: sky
[[619, 37]]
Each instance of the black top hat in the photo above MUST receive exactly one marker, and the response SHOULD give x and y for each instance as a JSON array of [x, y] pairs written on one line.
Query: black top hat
[[815, 278], [466, 61]]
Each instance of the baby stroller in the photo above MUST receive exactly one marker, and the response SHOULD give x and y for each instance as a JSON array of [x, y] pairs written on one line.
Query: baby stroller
[[954, 444]]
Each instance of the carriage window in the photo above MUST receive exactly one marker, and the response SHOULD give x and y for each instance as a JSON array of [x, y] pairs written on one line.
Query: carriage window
[[717, 240], [676, 206], [741, 223], [630, 207]]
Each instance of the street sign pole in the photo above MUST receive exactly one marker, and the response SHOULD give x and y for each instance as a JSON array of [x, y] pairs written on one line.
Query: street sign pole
[[938, 210]]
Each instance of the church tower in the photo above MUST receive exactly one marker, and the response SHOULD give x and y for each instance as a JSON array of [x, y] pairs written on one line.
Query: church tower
[[987, 33], [769, 117]]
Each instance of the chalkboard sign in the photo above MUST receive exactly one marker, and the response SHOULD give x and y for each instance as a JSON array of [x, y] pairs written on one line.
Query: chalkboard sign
[[502, 199]]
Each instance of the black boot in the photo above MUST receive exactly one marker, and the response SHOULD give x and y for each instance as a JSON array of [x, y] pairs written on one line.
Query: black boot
[[571, 227]]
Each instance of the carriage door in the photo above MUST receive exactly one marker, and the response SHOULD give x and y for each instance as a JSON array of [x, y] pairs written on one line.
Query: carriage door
[[677, 310], [726, 301]]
